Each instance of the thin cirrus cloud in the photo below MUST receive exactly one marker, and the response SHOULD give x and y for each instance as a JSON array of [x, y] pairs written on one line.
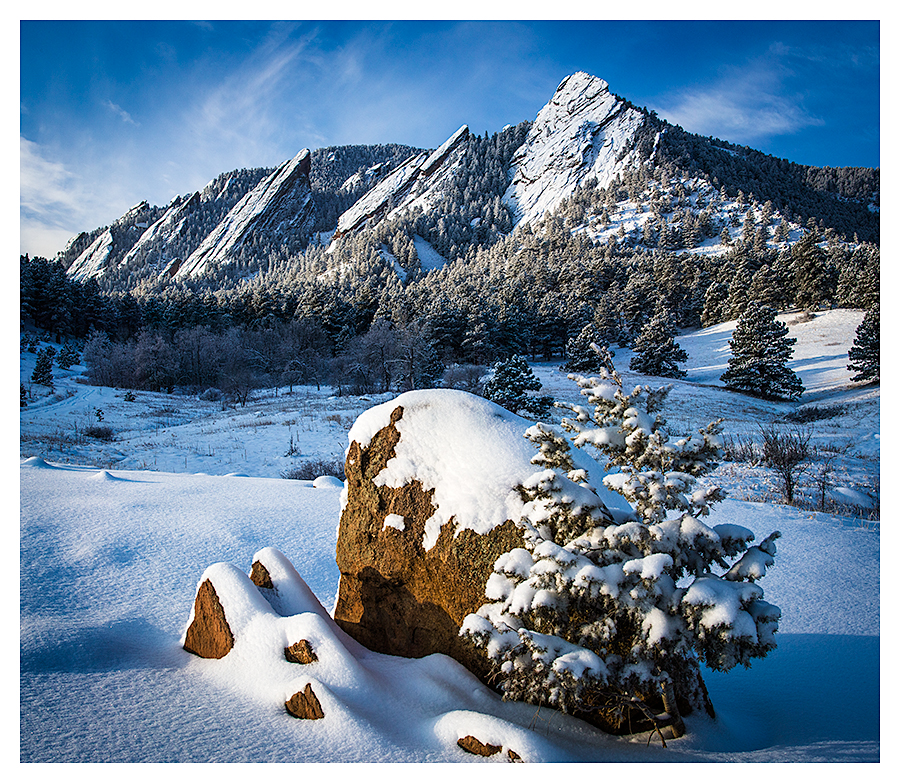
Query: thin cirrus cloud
[[243, 109], [735, 116], [120, 112], [50, 200], [749, 105], [57, 199]]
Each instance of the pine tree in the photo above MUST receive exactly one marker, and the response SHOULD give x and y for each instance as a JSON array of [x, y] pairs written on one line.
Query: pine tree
[[812, 282], [580, 357], [510, 384], [760, 351], [611, 617], [43, 368], [655, 349], [865, 355], [67, 356]]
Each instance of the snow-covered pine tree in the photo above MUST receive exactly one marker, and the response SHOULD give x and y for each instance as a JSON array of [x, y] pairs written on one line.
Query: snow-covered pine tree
[[609, 617], [43, 367], [865, 355], [655, 349], [67, 356], [580, 357], [760, 351], [510, 384]]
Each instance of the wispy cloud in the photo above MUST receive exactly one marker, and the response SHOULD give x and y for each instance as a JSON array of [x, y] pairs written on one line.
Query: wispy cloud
[[120, 112], [242, 109], [749, 104], [46, 187], [54, 202]]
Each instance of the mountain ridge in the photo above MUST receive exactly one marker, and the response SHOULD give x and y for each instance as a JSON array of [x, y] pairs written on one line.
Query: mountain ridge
[[612, 171]]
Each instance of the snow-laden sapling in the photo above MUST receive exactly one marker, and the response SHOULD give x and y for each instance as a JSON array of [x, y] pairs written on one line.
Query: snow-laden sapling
[[609, 616]]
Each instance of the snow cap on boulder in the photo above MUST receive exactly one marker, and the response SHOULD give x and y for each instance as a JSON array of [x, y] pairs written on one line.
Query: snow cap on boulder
[[429, 504]]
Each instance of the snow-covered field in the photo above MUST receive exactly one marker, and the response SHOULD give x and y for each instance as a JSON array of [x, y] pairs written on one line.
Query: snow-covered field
[[115, 536]]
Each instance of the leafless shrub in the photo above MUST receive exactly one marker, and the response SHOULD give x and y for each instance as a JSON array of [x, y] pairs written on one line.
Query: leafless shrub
[[465, 377], [740, 448], [788, 454], [313, 468]]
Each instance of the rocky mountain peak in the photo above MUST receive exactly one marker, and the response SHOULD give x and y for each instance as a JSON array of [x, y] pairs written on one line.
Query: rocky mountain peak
[[415, 182], [583, 131]]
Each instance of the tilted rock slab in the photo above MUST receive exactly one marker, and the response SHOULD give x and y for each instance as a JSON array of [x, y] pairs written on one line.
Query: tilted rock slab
[[429, 505], [419, 181]]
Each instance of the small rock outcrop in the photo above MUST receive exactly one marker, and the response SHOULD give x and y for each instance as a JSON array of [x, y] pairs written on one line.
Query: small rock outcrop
[[305, 705], [300, 652], [474, 745], [209, 634]]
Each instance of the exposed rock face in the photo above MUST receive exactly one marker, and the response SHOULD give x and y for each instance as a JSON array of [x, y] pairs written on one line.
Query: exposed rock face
[[260, 576], [416, 182], [583, 132], [430, 505], [209, 634], [394, 596], [169, 229], [280, 205], [474, 745], [98, 258]]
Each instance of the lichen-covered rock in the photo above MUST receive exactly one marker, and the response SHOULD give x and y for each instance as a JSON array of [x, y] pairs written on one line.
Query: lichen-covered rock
[[429, 505]]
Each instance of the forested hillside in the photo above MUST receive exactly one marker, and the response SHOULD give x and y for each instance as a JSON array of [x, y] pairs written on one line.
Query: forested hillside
[[686, 229]]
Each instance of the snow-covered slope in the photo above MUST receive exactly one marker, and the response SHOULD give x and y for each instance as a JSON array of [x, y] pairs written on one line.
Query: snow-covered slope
[[111, 555], [278, 207], [583, 132], [416, 182], [111, 561]]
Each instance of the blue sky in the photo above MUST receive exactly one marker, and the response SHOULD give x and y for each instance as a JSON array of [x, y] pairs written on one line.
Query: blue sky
[[113, 112]]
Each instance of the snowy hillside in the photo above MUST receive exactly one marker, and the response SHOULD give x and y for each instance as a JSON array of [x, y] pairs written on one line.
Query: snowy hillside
[[115, 536]]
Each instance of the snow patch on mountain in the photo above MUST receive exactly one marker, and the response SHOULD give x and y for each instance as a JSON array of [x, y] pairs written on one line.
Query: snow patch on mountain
[[429, 258]]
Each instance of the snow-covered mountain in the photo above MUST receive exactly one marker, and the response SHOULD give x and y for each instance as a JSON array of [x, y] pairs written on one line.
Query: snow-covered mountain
[[95, 259], [590, 158], [417, 182]]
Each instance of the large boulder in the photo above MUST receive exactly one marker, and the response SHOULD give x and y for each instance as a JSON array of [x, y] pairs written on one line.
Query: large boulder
[[429, 504]]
